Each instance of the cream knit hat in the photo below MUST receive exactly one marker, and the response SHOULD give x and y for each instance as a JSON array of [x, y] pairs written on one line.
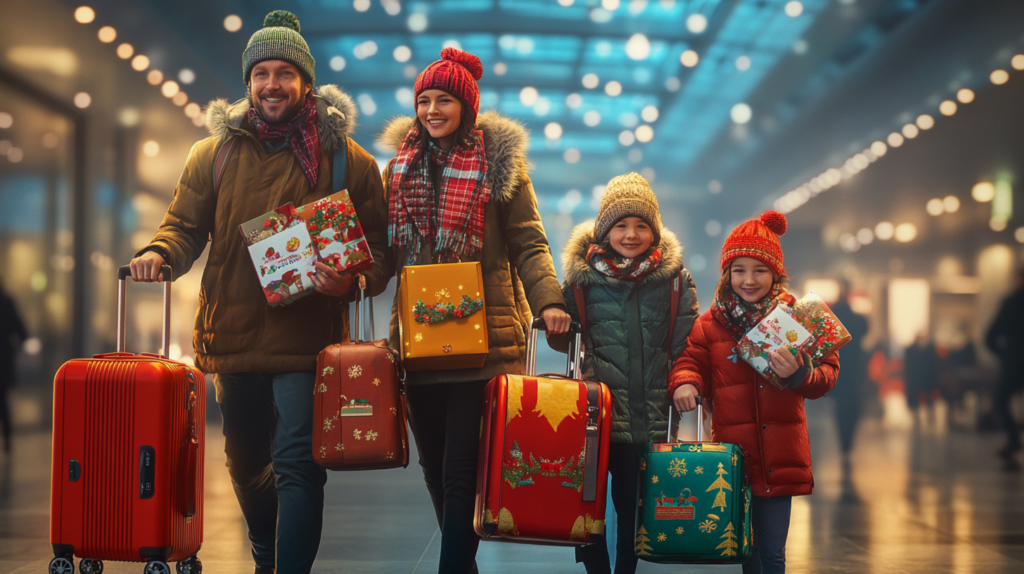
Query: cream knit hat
[[628, 195]]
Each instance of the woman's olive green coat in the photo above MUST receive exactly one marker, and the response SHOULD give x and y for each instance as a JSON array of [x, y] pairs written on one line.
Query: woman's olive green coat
[[627, 332]]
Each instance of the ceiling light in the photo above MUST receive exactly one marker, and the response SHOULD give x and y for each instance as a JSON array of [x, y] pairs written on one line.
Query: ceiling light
[[910, 131], [6, 120], [84, 14], [337, 63], [714, 186], [361, 5], [905, 232], [417, 22], [592, 118], [125, 51], [565, 3], [965, 96], [865, 236], [644, 133], [180, 99], [140, 63], [983, 192], [741, 113], [895, 139], [392, 7], [712, 228], [673, 84], [999, 77], [169, 89], [82, 100], [613, 88], [925, 122], [107, 34], [528, 96], [15, 154], [155, 77], [627, 138], [951, 203], [1018, 62], [192, 110], [500, 69], [934, 207], [794, 9], [574, 100], [996, 223], [884, 231], [571, 155], [151, 148], [743, 63], [232, 23], [553, 131], [800, 47], [186, 76], [590, 81], [638, 47], [696, 23], [402, 53], [947, 108], [879, 149], [649, 114], [689, 58]]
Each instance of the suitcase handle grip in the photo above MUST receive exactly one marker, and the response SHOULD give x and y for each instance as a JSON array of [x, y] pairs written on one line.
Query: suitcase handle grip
[[700, 420], [123, 273], [364, 305], [574, 362]]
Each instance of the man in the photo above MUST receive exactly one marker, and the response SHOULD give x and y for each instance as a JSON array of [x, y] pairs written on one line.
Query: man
[[263, 359], [12, 335], [1006, 339], [850, 386]]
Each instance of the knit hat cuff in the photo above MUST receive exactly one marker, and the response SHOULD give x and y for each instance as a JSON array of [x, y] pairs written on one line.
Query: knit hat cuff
[[772, 262]]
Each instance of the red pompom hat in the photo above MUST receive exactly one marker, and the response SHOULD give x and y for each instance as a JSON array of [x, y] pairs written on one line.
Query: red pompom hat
[[456, 73], [758, 238]]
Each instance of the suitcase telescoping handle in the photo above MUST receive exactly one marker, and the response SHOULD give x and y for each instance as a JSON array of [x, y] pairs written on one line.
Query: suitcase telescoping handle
[[361, 321], [123, 273], [574, 363], [700, 420]]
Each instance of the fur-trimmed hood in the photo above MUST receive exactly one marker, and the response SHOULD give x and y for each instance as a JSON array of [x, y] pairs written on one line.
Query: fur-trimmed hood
[[576, 268], [335, 111], [505, 143]]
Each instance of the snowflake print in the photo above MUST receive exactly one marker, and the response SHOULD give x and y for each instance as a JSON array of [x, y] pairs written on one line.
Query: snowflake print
[[677, 467], [418, 337], [339, 447], [390, 455], [734, 460], [699, 470], [371, 435], [707, 526], [376, 382], [443, 293], [328, 424], [354, 371], [654, 479], [662, 537], [394, 410], [323, 451], [447, 348], [322, 388], [679, 530], [357, 434], [390, 357], [327, 371]]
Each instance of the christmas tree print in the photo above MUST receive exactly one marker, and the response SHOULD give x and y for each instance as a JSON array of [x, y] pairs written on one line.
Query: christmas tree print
[[641, 542], [721, 484], [729, 544]]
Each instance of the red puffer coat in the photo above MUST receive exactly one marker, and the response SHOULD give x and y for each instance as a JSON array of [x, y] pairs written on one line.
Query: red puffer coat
[[767, 422]]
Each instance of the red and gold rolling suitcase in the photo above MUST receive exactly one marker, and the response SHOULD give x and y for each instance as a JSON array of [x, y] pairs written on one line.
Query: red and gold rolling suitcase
[[128, 434], [359, 405], [543, 467]]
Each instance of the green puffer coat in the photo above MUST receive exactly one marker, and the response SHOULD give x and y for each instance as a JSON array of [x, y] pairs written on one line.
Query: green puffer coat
[[626, 333]]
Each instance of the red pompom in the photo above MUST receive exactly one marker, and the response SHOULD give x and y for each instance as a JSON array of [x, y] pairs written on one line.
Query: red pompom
[[467, 60], [775, 221]]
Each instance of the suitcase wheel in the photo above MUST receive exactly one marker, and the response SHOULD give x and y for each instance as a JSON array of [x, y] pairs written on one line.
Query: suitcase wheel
[[90, 566], [61, 565], [189, 566], [156, 567]]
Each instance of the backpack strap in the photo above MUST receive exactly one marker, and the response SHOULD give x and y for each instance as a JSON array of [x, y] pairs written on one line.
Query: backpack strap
[[223, 155], [340, 170]]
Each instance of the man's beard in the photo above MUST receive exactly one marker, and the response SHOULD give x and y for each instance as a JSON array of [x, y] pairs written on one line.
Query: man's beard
[[284, 116]]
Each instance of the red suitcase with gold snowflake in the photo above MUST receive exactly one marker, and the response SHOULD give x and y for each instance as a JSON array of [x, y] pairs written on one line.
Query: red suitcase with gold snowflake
[[359, 405], [543, 466]]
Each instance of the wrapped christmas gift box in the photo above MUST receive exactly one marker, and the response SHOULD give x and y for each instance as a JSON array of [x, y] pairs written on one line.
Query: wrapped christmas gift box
[[443, 322], [282, 253], [809, 326], [336, 233]]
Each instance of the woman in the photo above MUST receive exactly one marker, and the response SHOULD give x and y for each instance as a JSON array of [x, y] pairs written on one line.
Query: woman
[[458, 188]]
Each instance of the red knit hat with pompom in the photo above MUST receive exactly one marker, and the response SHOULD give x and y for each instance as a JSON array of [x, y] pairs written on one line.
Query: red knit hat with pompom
[[758, 238], [456, 73]]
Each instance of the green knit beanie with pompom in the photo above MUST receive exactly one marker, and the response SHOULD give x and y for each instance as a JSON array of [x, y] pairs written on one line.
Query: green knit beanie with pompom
[[279, 39]]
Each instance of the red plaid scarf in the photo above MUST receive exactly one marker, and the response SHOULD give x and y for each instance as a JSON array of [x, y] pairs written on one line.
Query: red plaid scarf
[[464, 191], [301, 134], [738, 316], [611, 264]]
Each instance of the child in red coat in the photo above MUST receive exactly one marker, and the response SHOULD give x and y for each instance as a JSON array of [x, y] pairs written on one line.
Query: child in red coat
[[765, 417]]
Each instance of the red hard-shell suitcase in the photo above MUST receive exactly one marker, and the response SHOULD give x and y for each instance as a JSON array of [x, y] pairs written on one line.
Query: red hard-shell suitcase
[[543, 467], [359, 404], [128, 434]]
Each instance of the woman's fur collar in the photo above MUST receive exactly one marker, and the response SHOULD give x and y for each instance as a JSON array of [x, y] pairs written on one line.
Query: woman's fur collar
[[577, 270], [505, 143], [335, 111]]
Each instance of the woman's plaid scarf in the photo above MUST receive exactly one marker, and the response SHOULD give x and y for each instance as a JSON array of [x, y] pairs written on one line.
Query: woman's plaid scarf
[[610, 264], [301, 135], [464, 191]]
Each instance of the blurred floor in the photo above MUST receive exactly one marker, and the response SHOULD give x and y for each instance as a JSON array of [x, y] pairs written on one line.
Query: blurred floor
[[913, 503]]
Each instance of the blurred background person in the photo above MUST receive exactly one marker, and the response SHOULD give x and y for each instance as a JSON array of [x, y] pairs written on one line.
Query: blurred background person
[[12, 334], [1005, 338], [921, 373], [850, 384]]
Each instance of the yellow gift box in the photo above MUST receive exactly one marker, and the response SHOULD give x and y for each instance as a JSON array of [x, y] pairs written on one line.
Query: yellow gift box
[[452, 342]]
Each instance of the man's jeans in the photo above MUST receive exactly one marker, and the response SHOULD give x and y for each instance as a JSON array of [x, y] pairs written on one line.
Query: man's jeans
[[268, 428], [770, 525]]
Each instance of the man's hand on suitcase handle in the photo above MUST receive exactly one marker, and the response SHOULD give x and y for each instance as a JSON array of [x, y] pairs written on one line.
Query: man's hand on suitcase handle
[[146, 267], [685, 398], [556, 321]]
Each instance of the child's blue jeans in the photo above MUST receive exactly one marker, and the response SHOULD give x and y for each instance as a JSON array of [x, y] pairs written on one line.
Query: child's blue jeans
[[770, 525]]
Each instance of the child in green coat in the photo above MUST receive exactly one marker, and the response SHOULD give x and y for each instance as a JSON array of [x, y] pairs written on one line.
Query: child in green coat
[[624, 265]]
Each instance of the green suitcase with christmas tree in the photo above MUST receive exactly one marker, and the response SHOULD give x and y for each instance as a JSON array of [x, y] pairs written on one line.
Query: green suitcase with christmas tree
[[694, 503]]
